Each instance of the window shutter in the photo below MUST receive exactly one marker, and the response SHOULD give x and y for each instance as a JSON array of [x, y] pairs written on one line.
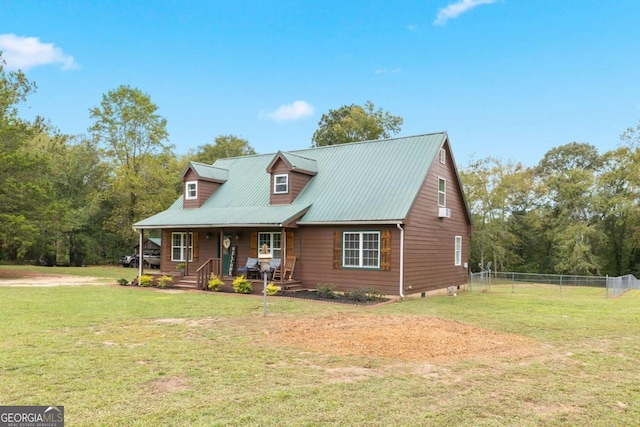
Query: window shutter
[[166, 245], [337, 250], [254, 245], [196, 247], [289, 249], [385, 251]]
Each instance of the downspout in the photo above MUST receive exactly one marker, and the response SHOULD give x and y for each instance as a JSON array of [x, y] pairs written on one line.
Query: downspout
[[401, 260], [140, 253]]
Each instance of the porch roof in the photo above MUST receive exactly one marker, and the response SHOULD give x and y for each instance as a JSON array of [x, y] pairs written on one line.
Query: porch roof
[[239, 216]]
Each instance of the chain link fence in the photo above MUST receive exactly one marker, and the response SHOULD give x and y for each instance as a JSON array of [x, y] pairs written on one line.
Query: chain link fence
[[617, 286], [500, 281]]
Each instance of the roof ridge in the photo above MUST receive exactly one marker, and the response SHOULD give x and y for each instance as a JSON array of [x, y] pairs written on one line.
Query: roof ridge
[[367, 141], [297, 155]]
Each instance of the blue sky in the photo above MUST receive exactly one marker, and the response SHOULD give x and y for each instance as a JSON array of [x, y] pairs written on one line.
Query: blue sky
[[505, 78]]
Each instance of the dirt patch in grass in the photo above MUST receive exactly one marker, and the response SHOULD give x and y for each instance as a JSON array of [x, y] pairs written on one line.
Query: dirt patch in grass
[[407, 338], [29, 278], [167, 385]]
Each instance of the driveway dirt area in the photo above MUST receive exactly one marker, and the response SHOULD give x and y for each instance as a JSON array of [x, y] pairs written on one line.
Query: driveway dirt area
[[27, 278], [408, 338]]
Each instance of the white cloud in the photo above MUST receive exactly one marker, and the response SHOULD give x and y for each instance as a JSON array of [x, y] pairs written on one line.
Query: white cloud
[[294, 111], [24, 53], [456, 9], [412, 27]]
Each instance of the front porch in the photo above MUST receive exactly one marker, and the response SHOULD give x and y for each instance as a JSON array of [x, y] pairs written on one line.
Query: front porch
[[286, 286], [199, 278]]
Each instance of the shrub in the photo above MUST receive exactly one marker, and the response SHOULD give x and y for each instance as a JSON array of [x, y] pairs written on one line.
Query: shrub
[[145, 281], [376, 294], [272, 289], [326, 290], [163, 280], [215, 282], [242, 285], [364, 294], [360, 294], [123, 282]]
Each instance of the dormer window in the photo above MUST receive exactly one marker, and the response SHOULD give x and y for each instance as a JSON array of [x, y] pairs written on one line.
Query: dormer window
[[191, 190], [281, 184]]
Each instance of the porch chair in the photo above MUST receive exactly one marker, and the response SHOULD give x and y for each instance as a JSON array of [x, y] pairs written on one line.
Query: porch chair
[[275, 265], [250, 268], [286, 268]]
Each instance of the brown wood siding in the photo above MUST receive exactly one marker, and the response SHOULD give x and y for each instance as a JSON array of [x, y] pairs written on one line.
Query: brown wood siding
[[205, 190], [430, 240], [190, 175], [317, 261], [245, 241], [203, 249], [206, 248], [297, 182]]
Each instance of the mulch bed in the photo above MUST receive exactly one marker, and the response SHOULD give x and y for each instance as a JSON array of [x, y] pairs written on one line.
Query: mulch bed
[[338, 298], [310, 295]]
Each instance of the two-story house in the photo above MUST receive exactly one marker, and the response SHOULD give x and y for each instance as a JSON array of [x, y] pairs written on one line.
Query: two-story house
[[388, 214]]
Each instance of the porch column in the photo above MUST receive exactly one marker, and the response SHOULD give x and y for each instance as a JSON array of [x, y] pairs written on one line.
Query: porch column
[[140, 253], [221, 272], [283, 243], [186, 255]]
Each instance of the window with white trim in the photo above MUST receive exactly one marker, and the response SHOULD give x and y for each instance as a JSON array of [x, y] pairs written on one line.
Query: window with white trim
[[442, 192], [361, 249], [179, 246], [273, 242], [281, 184], [191, 190], [457, 251], [443, 156]]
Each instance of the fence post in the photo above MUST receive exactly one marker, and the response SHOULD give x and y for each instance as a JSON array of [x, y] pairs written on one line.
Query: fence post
[[513, 279], [561, 284]]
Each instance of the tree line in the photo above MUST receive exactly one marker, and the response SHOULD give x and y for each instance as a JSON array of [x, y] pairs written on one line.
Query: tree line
[[575, 212], [72, 199]]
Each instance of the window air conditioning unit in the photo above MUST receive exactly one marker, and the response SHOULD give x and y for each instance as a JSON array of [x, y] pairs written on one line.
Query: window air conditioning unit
[[444, 213]]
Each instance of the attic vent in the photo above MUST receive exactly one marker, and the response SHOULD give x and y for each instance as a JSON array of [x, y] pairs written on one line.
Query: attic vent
[[444, 213]]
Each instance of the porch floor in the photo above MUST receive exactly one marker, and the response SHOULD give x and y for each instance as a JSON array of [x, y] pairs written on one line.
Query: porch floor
[[286, 286]]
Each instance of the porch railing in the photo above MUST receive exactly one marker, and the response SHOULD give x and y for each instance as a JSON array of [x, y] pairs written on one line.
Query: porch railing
[[212, 265]]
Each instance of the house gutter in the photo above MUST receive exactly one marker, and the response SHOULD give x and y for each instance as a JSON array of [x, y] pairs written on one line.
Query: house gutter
[[401, 260]]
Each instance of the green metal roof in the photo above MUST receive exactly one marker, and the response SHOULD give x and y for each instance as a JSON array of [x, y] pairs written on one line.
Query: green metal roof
[[240, 216], [371, 181], [301, 163], [208, 171]]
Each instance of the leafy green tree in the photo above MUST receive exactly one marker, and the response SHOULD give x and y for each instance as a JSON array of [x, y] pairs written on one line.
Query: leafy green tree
[[575, 247], [25, 193], [631, 136], [77, 176], [351, 123], [617, 204], [224, 146], [498, 195], [132, 137], [568, 175]]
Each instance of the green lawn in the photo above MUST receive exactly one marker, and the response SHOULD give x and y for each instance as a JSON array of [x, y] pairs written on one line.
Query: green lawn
[[125, 356]]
